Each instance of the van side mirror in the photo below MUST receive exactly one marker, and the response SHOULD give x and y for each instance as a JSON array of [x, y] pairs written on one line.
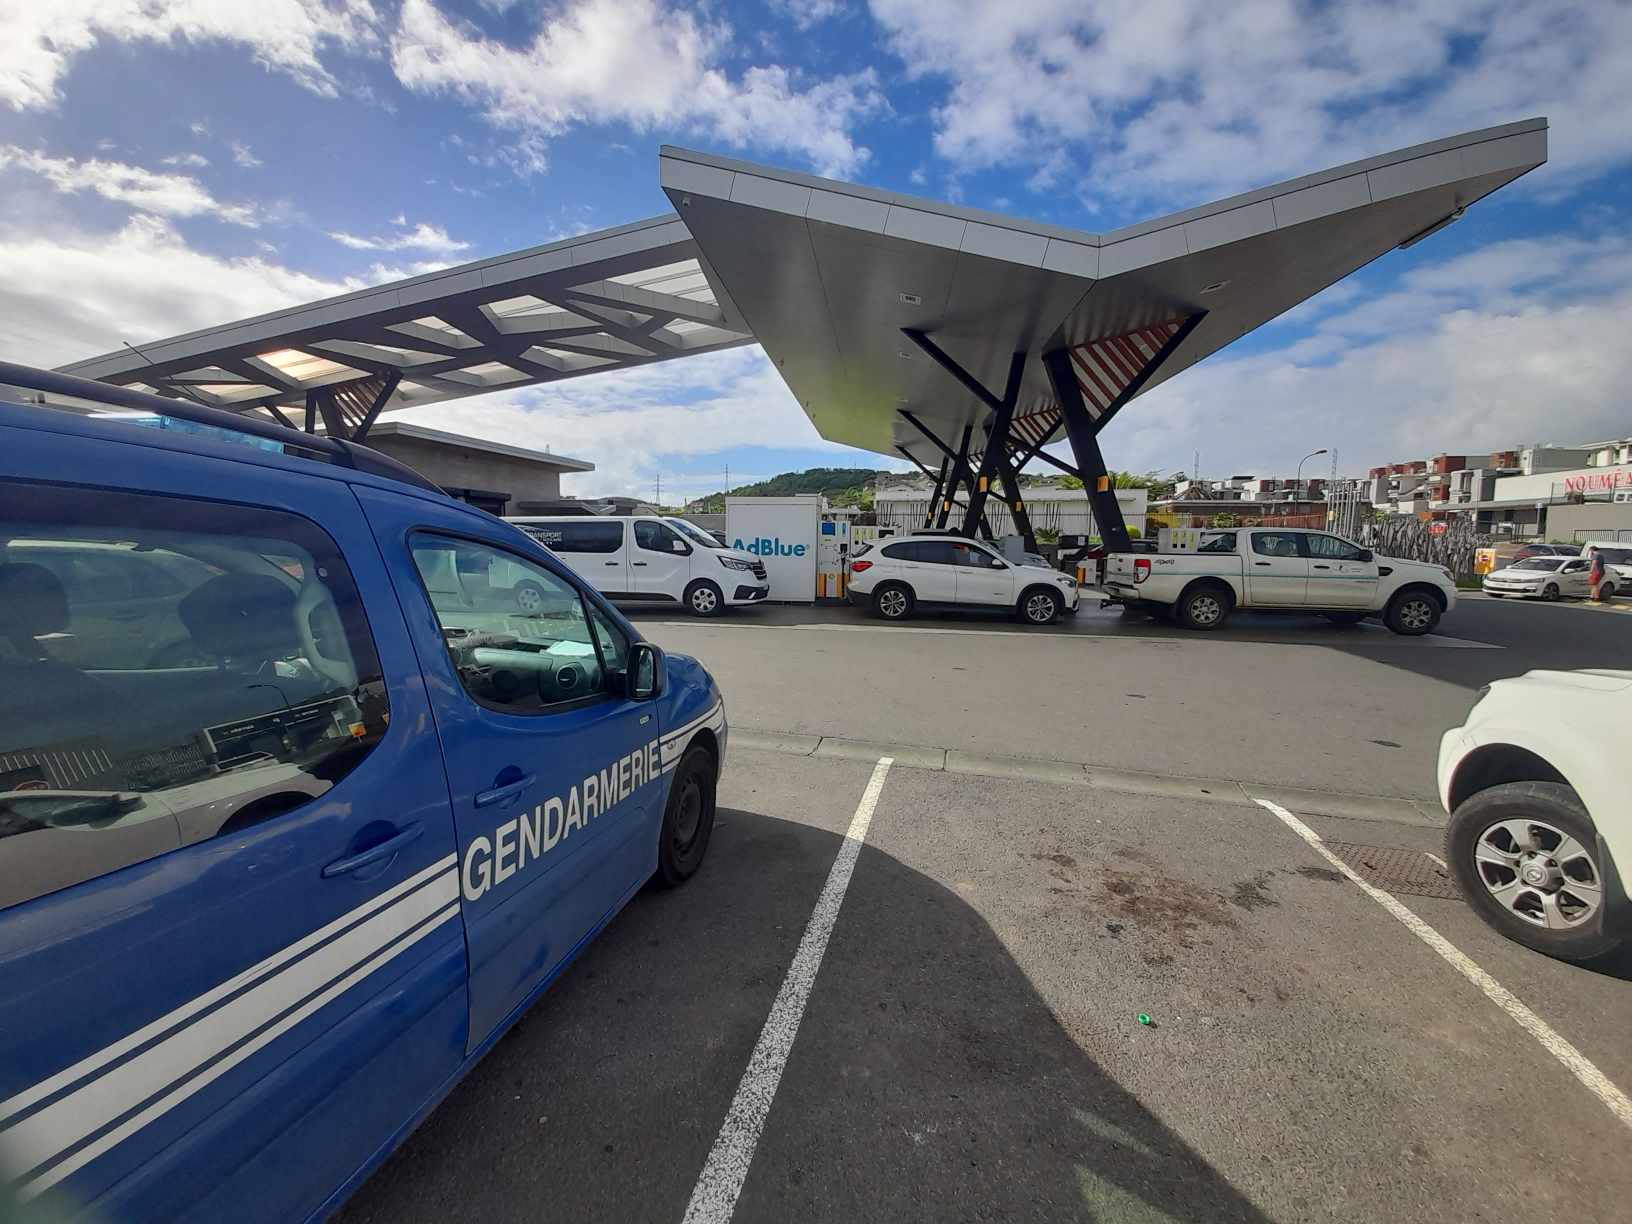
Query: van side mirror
[[1367, 555], [679, 546], [647, 672]]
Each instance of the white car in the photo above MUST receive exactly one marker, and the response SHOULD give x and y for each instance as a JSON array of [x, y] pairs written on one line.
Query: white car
[[1535, 785], [940, 570], [652, 560], [1540, 578]]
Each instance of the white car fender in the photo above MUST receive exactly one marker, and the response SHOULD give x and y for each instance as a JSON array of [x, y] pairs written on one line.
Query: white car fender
[[1576, 760]]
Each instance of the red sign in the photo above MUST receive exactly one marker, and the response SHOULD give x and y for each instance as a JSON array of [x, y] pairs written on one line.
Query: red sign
[[1599, 482], [1436, 528]]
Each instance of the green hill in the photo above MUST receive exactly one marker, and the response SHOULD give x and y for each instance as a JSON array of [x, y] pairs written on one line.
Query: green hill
[[843, 487]]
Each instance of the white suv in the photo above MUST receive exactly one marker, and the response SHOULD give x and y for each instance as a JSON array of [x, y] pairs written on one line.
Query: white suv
[[1535, 784], [938, 570]]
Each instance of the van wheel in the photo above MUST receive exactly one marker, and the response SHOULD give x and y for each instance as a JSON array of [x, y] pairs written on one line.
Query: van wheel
[[1526, 857], [892, 601], [1203, 607], [688, 819], [1039, 606], [1412, 613], [703, 598], [529, 597]]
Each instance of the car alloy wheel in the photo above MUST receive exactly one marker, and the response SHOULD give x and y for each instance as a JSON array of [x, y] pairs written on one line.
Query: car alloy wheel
[[893, 603], [1205, 609], [1041, 608], [1550, 591], [1416, 614], [1539, 873], [529, 598]]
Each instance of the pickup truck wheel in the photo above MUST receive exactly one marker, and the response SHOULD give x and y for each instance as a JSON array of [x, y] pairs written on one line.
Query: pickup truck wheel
[[1412, 613], [892, 601], [1205, 607], [1526, 857], [688, 819], [1344, 618], [1039, 607]]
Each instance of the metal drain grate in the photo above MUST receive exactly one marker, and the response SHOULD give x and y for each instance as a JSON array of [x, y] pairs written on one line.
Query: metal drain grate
[[1396, 870]]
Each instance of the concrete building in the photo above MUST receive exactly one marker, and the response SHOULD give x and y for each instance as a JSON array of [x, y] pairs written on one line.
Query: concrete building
[[495, 476]]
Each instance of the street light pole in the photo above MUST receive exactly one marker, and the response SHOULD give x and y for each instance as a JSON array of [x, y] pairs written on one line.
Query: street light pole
[[1297, 481]]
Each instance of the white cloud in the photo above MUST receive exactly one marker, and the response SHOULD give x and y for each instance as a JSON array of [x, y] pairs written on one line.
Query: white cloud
[[636, 62], [174, 195], [1189, 99], [422, 237], [244, 156], [42, 37], [73, 294], [1515, 343], [631, 422], [194, 160], [808, 13]]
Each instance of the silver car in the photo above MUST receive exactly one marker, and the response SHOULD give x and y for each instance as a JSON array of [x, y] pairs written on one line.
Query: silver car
[[1541, 578]]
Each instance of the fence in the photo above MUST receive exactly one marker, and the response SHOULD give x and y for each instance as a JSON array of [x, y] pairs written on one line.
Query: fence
[[1411, 539], [1045, 516]]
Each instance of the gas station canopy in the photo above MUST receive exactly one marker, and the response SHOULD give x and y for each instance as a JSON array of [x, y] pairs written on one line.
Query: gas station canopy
[[840, 283], [896, 322]]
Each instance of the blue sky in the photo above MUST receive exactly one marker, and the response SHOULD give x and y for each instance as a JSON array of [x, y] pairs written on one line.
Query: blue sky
[[171, 166]]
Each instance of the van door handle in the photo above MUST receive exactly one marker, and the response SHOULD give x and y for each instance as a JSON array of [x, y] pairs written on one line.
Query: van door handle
[[505, 793], [386, 849], [614, 562]]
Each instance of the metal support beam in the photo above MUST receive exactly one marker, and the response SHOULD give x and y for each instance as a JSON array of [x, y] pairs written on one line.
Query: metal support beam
[[960, 473], [1079, 427], [360, 433], [935, 497], [997, 435]]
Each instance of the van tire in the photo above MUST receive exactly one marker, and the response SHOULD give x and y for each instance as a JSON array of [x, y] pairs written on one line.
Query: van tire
[[529, 597], [688, 818], [1204, 605], [1413, 612], [703, 598]]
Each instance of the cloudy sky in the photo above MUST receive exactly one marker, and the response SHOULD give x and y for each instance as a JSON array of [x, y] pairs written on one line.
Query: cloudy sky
[[166, 166]]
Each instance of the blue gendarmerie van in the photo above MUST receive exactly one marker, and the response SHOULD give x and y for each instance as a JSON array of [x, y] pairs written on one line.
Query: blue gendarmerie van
[[299, 809]]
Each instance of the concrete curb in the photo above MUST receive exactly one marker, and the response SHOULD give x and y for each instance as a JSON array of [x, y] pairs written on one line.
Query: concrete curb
[[1386, 809]]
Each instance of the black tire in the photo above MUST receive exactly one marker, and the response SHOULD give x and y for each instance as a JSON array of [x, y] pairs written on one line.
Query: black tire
[[529, 597], [1556, 805], [893, 601], [1039, 606], [1550, 591], [1412, 613], [688, 818], [1606, 591], [1203, 607], [703, 598], [1344, 618]]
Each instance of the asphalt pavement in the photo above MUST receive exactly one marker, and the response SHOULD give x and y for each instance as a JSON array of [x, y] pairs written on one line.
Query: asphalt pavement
[[969, 1043]]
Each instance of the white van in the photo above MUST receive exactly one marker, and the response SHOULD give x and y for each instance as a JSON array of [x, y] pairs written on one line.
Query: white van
[[647, 559]]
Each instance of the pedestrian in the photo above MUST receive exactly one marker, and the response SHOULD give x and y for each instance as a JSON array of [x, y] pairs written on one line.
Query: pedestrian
[[1595, 575]]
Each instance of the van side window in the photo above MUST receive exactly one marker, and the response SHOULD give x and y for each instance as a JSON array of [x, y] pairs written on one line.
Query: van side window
[[659, 537], [588, 536], [518, 634], [170, 669]]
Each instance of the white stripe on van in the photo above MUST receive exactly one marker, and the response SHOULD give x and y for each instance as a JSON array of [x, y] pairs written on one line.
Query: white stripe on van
[[168, 1102], [77, 1115], [124, 1045]]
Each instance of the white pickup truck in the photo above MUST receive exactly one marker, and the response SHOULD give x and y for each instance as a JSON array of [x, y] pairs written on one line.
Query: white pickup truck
[[1280, 569]]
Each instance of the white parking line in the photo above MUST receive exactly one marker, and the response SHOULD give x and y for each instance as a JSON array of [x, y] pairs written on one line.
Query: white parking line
[[1439, 862], [715, 1197], [1577, 1063]]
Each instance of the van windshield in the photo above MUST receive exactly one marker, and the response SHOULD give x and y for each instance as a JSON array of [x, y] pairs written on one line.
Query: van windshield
[[693, 533]]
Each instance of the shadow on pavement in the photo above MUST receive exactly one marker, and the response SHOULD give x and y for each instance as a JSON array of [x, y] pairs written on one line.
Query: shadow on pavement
[[929, 1079]]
